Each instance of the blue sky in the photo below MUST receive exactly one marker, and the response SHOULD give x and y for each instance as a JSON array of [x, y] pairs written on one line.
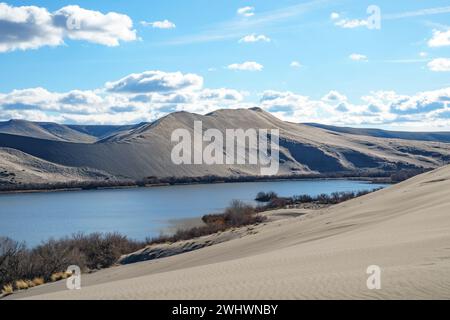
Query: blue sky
[[301, 60]]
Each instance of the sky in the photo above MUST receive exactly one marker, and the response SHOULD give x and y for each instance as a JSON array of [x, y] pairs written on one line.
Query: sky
[[333, 62]]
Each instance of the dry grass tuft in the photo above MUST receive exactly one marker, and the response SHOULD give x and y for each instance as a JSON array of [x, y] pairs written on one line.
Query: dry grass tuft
[[7, 290], [21, 285], [38, 281], [30, 284], [59, 276]]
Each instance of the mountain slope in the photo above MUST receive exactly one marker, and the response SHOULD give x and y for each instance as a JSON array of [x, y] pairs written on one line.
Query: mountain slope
[[145, 150], [404, 230], [44, 130], [422, 136], [17, 167], [100, 131]]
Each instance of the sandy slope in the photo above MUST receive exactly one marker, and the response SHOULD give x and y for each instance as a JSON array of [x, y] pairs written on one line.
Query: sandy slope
[[145, 150], [19, 167], [404, 229], [45, 130]]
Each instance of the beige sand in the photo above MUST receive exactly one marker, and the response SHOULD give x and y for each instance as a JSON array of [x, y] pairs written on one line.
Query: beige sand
[[145, 151], [404, 229]]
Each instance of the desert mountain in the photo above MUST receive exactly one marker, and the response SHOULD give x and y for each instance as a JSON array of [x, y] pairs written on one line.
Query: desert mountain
[[144, 150]]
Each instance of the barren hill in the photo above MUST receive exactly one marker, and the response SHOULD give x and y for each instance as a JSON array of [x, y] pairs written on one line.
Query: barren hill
[[144, 150], [17, 167]]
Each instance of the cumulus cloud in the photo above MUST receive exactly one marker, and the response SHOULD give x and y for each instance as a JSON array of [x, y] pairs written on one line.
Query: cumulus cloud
[[32, 27], [246, 11], [135, 98], [27, 27], [440, 38], [164, 24], [155, 81], [295, 64], [358, 57], [152, 94], [93, 26], [334, 96], [221, 94], [246, 66], [378, 108], [439, 65], [255, 38]]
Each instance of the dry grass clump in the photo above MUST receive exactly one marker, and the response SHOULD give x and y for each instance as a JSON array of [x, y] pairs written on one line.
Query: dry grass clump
[[7, 289], [21, 284], [30, 283], [59, 276], [38, 281]]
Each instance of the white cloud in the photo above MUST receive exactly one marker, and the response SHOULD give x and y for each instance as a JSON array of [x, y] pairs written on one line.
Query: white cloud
[[423, 54], [146, 98], [295, 64], [222, 95], [351, 23], [334, 16], [32, 27], [94, 26], [28, 27], [164, 24], [439, 65], [440, 38], [334, 96], [430, 108], [255, 38], [246, 66], [155, 81], [347, 23], [358, 57], [246, 11], [147, 101]]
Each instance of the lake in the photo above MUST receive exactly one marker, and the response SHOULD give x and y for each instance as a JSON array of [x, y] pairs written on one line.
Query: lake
[[138, 212]]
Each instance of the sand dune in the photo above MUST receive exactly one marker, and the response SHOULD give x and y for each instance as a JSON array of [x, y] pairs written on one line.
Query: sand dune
[[145, 150], [45, 130], [17, 167], [404, 229]]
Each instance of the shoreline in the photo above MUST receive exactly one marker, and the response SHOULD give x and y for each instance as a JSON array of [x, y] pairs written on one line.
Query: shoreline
[[245, 179]]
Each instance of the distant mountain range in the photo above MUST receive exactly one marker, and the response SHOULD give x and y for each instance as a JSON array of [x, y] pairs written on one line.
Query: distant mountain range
[[406, 135], [138, 151]]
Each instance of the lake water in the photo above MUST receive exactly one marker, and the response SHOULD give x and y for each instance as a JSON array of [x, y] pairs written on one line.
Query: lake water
[[138, 212]]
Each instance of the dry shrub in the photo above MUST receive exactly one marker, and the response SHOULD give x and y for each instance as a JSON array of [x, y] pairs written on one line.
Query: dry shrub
[[30, 283], [49, 260], [38, 281], [7, 289], [21, 285], [57, 276], [237, 214]]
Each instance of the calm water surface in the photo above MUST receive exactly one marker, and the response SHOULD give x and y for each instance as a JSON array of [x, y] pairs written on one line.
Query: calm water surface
[[138, 212]]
